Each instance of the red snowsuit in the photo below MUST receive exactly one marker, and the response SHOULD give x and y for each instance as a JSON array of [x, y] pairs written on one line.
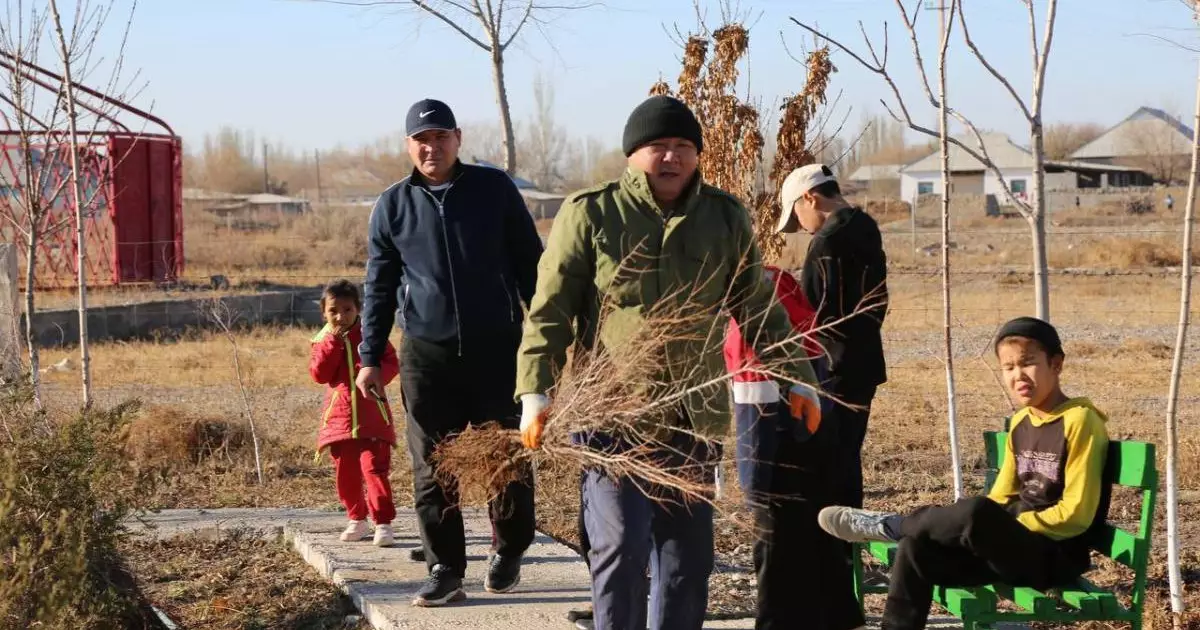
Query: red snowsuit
[[359, 432]]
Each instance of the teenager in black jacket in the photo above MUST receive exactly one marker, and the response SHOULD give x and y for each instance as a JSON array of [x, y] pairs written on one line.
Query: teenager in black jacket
[[845, 279], [453, 248]]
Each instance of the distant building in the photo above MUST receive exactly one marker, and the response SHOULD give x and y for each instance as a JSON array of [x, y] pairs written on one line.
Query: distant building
[[1149, 139], [875, 179], [541, 204], [968, 176]]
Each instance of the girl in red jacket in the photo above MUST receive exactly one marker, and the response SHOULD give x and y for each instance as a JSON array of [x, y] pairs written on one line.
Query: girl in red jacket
[[358, 430]]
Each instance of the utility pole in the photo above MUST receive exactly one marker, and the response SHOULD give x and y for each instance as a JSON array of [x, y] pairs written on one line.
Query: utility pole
[[317, 155], [266, 175]]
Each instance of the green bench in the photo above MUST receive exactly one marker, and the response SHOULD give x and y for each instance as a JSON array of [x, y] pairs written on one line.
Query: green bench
[[1129, 464]]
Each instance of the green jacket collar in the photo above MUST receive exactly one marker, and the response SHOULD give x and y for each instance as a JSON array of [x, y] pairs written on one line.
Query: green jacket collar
[[637, 183]]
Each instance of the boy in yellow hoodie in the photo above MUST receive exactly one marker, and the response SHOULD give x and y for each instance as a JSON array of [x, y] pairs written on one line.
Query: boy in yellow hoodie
[[1030, 529]]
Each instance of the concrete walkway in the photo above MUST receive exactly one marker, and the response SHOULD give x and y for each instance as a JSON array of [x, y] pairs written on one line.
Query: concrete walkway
[[383, 582]]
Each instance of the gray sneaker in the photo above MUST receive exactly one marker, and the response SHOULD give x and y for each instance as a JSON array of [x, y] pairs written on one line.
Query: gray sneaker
[[854, 525]]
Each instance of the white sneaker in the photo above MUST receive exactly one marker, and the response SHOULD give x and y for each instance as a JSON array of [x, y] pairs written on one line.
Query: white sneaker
[[854, 525], [356, 531], [384, 536]]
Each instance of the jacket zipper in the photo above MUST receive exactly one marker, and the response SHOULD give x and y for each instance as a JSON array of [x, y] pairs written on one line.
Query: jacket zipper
[[449, 258], [353, 394], [404, 306], [504, 284]]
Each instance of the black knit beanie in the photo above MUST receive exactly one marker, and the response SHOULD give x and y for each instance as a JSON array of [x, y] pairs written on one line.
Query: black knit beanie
[[660, 117], [1035, 329]]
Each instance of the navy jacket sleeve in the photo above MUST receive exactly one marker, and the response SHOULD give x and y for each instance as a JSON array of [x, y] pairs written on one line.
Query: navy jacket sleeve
[[524, 245], [385, 269]]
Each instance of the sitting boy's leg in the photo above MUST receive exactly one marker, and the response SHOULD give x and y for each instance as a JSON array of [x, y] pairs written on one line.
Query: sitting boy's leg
[[1009, 549], [920, 564], [617, 516]]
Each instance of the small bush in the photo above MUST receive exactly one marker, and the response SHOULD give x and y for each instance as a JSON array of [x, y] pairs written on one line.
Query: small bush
[[66, 487], [165, 438]]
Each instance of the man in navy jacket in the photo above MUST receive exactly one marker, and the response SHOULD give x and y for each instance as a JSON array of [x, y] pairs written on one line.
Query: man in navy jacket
[[453, 249]]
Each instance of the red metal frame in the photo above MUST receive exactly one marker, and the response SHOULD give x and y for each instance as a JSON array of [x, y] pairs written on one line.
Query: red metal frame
[[133, 187]]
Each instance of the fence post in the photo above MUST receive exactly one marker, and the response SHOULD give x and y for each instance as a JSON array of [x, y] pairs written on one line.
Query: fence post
[[10, 315]]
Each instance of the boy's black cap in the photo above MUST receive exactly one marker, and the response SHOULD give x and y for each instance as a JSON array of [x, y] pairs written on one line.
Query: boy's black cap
[[429, 114], [1035, 329], [660, 117]]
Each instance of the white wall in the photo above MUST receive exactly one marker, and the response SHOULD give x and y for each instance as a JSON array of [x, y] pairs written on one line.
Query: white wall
[[909, 181]]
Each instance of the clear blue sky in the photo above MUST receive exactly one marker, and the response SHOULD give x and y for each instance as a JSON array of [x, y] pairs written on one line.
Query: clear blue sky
[[316, 75]]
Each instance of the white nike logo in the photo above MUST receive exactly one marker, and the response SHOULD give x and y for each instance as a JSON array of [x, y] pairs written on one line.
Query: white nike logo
[[424, 114]]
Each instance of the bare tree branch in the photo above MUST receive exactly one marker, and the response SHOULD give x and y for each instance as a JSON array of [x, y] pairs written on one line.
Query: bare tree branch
[[962, 20]]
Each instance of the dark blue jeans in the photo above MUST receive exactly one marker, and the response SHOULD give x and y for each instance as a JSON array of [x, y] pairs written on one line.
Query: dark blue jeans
[[627, 530]]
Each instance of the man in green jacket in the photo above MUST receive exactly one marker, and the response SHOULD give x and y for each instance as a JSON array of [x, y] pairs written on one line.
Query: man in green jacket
[[657, 238]]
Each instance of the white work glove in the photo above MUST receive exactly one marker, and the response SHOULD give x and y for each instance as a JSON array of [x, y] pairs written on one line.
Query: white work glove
[[534, 409]]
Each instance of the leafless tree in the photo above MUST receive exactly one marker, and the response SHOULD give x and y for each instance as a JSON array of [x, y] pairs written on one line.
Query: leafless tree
[[225, 319], [947, 25], [1063, 139], [492, 26], [65, 55], [875, 60], [1174, 576], [545, 143], [44, 161]]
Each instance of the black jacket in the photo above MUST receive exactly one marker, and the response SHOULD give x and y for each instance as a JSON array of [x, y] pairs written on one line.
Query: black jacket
[[846, 271], [456, 269]]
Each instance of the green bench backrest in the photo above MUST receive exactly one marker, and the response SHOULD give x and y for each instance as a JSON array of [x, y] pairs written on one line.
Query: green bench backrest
[[1129, 464]]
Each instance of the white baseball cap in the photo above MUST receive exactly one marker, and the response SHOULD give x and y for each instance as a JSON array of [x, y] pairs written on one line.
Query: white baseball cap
[[794, 186]]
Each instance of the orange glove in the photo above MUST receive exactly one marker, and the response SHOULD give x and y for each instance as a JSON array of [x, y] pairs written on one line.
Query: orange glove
[[805, 406], [534, 410]]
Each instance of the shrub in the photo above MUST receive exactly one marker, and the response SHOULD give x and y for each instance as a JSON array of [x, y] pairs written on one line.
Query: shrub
[[66, 487]]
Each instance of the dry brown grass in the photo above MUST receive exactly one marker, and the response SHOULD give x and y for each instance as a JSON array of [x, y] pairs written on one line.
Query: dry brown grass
[[329, 241], [239, 582]]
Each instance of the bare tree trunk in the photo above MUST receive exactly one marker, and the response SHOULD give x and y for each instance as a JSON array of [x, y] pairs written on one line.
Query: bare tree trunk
[[510, 142], [943, 140], [1037, 225], [1175, 582], [85, 361], [30, 339]]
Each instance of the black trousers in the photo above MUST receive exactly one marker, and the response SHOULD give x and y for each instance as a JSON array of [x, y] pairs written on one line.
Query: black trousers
[[971, 543], [443, 393], [803, 577], [851, 426]]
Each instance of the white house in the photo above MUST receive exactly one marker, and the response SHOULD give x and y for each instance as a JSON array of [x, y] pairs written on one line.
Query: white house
[[968, 176]]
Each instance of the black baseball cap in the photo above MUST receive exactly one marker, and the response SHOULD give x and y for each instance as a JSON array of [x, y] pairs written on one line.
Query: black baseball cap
[[429, 114]]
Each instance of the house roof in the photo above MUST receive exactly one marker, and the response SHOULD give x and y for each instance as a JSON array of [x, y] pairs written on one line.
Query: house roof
[[1129, 137], [870, 172], [1003, 152]]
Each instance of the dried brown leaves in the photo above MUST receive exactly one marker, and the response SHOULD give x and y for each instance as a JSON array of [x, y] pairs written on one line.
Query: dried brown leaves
[[733, 138]]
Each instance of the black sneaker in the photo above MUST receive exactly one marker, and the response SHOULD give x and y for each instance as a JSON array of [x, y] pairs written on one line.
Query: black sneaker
[[417, 554], [441, 588], [504, 573]]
